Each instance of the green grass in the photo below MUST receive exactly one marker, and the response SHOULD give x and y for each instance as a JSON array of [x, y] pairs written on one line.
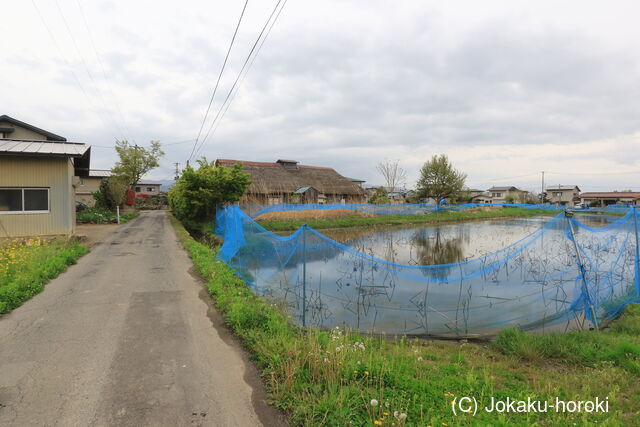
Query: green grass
[[27, 265], [330, 377], [431, 218], [618, 345], [96, 215]]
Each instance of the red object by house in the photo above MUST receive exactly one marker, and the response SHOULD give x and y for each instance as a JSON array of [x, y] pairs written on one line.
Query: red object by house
[[131, 197]]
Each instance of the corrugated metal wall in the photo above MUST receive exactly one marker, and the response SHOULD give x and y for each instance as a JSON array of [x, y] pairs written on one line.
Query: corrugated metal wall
[[54, 173]]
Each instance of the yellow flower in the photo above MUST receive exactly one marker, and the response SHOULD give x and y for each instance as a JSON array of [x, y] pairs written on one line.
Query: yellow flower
[[378, 422]]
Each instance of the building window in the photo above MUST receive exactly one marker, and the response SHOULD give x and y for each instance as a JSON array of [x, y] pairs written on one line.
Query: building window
[[137, 189], [24, 200], [150, 189]]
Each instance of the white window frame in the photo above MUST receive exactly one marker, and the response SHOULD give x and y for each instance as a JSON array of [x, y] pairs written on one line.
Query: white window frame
[[22, 212]]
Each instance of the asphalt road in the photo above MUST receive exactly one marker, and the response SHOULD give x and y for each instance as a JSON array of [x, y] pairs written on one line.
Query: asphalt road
[[126, 338]]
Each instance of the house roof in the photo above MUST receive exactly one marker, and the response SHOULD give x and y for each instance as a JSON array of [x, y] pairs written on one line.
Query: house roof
[[99, 173], [504, 189], [50, 136], [275, 177], [562, 188], [149, 183], [81, 153], [42, 148], [611, 195]]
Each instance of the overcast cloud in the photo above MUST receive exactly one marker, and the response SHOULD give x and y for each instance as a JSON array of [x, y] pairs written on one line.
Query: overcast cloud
[[506, 89]]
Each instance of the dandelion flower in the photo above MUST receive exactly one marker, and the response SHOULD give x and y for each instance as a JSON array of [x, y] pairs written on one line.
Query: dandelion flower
[[402, 416], [374, 402], [378, 422]]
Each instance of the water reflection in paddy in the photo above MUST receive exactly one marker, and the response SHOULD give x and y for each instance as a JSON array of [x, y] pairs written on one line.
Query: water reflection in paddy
[[448, 243]]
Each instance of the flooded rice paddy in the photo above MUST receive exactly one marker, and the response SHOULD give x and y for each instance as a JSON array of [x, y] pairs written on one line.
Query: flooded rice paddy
[[511, 277], [448, 243]]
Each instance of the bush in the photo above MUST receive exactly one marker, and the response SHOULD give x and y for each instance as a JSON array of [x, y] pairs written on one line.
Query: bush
[[111, 192], [194, 198], [151, 202], [379, 197], [97, 215]]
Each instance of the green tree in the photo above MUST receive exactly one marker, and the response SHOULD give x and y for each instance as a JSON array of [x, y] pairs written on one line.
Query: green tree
[[136, 161], [439, 179], [194, 197]]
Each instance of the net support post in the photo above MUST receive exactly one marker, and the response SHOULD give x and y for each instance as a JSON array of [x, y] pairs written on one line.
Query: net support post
[[635, 227], [304, 275], [585, 288]]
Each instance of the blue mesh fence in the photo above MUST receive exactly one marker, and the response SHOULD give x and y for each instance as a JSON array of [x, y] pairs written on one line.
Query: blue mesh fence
[[254, 210], [563, 275]]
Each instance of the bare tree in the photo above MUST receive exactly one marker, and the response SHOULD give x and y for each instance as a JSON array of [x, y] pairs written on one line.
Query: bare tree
[[394, 176]]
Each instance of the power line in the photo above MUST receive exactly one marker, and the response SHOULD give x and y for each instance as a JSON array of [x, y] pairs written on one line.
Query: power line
[[215, 89], [86, 67], [163, 144], [248, 68], [239, 75], [104, 73], [64, 58], [596, 173]]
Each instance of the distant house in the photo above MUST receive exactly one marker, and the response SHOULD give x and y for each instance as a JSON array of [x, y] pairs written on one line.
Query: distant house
[[482, 198], [396, 195], [565, 195], [150, 188], [274, 183], [609, 198], [37, 170], [474, 192], [356, 181], [87, 185], [507, 195]]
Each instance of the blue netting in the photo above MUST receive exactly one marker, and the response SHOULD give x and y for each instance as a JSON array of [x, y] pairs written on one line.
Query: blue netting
[[556, 277], [254, 210]]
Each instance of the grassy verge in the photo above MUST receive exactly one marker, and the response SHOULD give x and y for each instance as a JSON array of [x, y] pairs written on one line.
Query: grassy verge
[[341, 378], [102, 216], [431, 218], [27, 265]]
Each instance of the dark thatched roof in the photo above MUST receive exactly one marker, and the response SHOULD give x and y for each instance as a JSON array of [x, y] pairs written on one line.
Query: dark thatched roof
[[287, 176]]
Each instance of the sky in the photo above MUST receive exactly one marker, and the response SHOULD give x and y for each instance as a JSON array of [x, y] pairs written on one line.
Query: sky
[[506, 89]]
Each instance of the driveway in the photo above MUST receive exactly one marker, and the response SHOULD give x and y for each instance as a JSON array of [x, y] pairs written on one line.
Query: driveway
[[126, 337]]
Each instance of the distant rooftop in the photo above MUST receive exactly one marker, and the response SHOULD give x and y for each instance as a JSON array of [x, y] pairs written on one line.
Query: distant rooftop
[[612, 195], [504, 189], [561, 187]]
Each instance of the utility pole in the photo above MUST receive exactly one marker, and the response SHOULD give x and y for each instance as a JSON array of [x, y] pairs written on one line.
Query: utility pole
[[542, 189], [177, 171]]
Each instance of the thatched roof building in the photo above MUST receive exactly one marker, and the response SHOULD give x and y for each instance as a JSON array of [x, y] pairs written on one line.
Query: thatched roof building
[[277, 182]]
